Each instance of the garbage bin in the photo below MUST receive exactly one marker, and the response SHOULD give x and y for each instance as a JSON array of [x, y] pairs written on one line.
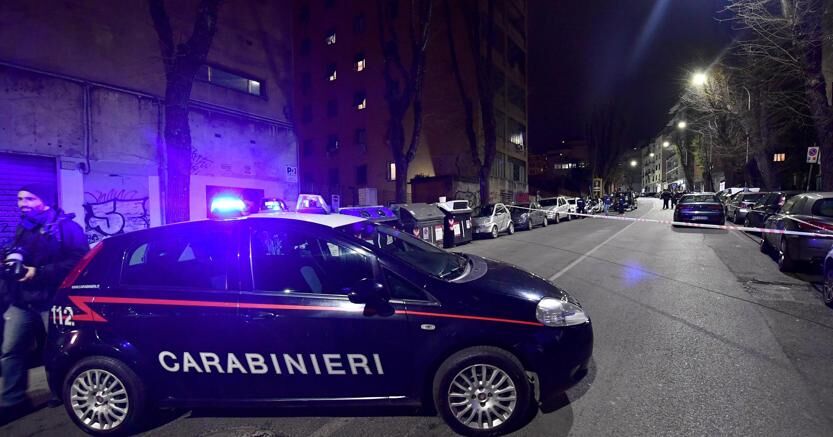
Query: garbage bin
[[421, 220], [457, 224], [376, 214]]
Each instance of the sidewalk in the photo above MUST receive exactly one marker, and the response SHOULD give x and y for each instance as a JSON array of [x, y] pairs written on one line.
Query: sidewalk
[[38, 393]]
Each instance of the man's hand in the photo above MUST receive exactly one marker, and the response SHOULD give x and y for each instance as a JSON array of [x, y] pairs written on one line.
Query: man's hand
[[30, 273]]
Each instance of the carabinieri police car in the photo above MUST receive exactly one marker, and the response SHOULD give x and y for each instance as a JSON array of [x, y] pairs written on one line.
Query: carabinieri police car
[[304, 309]]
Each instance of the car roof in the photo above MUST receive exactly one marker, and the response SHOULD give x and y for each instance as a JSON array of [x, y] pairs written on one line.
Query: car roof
[[328, 220]]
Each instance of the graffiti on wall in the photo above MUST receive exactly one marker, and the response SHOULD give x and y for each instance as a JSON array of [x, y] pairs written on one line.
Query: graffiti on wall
[[199, 162], [114, 212]]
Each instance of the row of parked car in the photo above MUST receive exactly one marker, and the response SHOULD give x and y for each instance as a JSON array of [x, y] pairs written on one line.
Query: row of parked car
[[497, 218], [790, 211]]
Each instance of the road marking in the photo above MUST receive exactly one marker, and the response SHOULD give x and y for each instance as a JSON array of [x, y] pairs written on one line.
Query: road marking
[[331, 427], [583, 257]]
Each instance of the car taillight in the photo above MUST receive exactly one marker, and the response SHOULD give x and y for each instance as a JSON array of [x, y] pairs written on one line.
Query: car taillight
[[713, 207], [82, 264]]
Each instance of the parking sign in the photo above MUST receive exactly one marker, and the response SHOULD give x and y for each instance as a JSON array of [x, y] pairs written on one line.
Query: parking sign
[[812, 155]]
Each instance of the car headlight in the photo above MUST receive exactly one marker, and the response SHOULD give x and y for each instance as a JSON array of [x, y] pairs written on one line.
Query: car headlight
[[557, 312]]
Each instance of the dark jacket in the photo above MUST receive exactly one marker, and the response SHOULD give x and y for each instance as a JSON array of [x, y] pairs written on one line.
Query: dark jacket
[[53, 247]]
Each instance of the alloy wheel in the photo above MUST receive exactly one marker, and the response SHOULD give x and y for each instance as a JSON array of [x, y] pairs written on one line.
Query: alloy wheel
[[99, 399], [482, 396]]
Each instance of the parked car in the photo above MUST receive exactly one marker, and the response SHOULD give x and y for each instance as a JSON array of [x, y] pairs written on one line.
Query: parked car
[[807, 212], [528, 215], [738, 205], [700, 208], [368, 316], [769, 204], [557, 208], [493, 219], [827, 292], [725, 194]]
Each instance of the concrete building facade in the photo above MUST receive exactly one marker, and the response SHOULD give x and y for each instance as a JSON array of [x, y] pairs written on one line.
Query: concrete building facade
[[82, 92], [341, 110]]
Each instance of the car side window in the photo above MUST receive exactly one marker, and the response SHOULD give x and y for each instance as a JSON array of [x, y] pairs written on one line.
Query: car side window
[[192, 260], [402, 289], [287, 259]]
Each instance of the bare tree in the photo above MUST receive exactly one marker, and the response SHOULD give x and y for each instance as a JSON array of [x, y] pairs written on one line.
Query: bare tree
[[404, 84], [606, 134], [182, 61], [480, 48], [783, 41]]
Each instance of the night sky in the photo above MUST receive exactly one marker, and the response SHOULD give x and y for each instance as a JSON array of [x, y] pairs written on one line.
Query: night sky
[[636, 52]]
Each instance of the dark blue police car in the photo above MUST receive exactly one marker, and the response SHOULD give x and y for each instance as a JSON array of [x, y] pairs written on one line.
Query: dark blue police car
[[301, 309]]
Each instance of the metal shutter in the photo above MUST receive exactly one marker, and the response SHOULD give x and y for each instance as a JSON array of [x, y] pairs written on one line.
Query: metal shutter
[[16, 171]]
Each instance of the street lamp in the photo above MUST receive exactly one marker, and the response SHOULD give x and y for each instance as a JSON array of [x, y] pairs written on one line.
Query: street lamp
[[699, 79], [651, 154], [682, 125], [665, 144], [633, 163]]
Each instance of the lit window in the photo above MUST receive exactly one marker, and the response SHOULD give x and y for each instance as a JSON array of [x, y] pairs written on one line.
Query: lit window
[[331, 72], [360, 100], [226, 79], [361, 62], [391, 173], [331, 37], [332, 143], [779, 157]]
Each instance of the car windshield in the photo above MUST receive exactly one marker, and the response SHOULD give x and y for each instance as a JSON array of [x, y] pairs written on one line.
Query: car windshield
[[548, 202], [823, 207], [486, 211], [408, 249], [695, 198]]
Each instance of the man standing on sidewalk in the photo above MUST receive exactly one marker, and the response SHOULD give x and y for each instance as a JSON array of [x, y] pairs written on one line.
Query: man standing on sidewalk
[[666, 197], [50, 244]]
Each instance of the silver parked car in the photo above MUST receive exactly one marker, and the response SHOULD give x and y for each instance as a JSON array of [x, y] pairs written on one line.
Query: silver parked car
[[493, 219], [528, 215], [557, 208], [808, 212], [738, 205]]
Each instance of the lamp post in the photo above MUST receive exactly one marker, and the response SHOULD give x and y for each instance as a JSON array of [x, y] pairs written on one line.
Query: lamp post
[[748, 109], [662, 163]]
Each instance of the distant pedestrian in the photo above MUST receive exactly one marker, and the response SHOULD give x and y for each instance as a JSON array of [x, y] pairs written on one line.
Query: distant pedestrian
[[674, 198], [580, 205], [666, 197], [607, 201]]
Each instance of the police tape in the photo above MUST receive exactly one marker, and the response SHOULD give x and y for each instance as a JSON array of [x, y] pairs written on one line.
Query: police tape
[[828, 234]]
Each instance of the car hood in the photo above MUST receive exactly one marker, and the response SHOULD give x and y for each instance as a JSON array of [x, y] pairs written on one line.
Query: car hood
[[504, 279]]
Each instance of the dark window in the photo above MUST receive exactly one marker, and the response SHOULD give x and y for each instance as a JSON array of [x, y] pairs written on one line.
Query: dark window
[[393, 8], [306, 114], [823, 207], [306, 46], [332, 177], [332, 108], [517, 96], [308, 148], [499, 84], [516, 58], [361, 138], [359, 23], [227, 79], [286, 259], [303, 13], [361, 175], [306, 82], [189, 260], [332, 143], [402, 289], [329, 3]]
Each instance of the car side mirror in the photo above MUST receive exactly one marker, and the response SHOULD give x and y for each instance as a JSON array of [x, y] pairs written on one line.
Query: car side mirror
[[368, 291]]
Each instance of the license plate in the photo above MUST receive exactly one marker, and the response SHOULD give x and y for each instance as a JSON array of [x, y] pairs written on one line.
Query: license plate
[[699, 218]]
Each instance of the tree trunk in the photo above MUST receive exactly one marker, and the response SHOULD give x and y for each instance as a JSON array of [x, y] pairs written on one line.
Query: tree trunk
[[178, 148], [485, 183], [402, 165]]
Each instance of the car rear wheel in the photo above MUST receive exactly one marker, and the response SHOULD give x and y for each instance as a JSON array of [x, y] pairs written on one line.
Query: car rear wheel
[[495, 232], [103, 396], [511, 229], [785, 262], [747, 223], [828, 286], [546, 222], [557, 218], [482, 391]]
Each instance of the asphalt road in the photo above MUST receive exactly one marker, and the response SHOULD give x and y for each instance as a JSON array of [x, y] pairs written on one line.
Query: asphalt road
[[697, 333]]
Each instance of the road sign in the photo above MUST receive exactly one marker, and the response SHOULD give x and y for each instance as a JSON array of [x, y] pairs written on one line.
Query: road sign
[[597, 184], [291, 173], [812, 155]]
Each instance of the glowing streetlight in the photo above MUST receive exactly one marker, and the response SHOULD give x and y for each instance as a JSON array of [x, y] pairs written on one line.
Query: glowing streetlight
[[682, 125], [633, 163], [699, 79], [652, 154], [665, 144]]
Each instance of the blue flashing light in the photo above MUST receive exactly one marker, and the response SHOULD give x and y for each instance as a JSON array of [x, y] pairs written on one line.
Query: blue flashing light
[[225, 204]]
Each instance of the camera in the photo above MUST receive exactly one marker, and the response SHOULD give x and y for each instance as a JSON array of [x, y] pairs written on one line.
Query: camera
[[12, 268]]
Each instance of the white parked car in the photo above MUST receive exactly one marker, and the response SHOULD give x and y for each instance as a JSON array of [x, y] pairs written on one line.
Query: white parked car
[[557, 208], [493, 219]]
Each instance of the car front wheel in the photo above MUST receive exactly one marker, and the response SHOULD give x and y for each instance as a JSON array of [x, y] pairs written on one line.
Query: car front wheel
[[545, 223], [785, 261], [103, 396], [511, 229], [494, 233], [482, 391]]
